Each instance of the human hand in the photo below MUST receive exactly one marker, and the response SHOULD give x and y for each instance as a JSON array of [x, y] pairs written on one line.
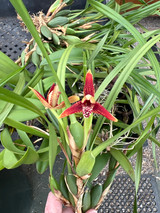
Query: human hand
[[54, 205]]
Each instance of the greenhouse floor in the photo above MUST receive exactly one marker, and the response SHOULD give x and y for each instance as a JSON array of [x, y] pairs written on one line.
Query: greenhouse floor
[[121, 196]]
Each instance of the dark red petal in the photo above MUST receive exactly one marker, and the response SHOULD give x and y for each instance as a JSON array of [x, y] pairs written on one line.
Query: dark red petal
[[89, 87], [77, 107], [99, 109]]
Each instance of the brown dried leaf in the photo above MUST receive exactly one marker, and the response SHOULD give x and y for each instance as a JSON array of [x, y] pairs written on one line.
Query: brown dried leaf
[[76, 153]]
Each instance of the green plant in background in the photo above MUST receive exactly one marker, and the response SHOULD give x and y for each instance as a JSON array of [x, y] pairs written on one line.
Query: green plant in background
[[123, 65]]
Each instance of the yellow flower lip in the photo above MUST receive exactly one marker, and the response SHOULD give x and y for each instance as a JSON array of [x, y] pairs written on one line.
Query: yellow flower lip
[[88, 97]]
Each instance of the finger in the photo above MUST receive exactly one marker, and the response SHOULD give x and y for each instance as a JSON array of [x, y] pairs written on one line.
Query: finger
[[53, 204], [92, 211], [68, 210]]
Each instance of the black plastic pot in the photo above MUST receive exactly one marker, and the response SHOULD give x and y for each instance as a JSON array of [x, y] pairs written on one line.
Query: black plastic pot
[[15, 191], [34, 6], [23, 190]]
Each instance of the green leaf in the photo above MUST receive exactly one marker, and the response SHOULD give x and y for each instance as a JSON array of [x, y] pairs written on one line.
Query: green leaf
[[8, 70], [61, 71], [110, 179], [53, 183], [22, 114], [25, 128], [124, 162], [148, 103], [77, 132], [101, 162], [54, 6], [43, 150], [87, 129], [111, 141], [76, 56], [138, 168], [42, 166], [38, 74], [85, 164], [108, 12], [98, 48], [62, 186], [154, 155], [154, 140], [135, 204], [9, 76], [43, 163], [52, 148], [86, 201], [26, 140], [130, 63], [1, 160], [53, 119], [10, 160], [96, 194], [9, 96], [140, 141], [8, 106], [144, 83], [111, 172], [8, 143]]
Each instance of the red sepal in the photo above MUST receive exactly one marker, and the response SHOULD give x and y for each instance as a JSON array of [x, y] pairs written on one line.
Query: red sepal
[[77, 107], [99, 109], [41, 98], [89, 87]]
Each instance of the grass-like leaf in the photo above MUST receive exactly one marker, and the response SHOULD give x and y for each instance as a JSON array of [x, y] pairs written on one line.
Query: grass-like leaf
[[26, 140], [138, 168], [9, 96], [110, 141], [8, 106], [98, 48], [108, 12], [25, 128], [53, 144], [8, 70], [124, 162], [10, 160], [8, 143], [129, 64]]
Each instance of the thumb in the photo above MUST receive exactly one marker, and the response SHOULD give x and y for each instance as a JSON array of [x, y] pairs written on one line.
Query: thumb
[[68, 210], [53, 204], [92, 211]]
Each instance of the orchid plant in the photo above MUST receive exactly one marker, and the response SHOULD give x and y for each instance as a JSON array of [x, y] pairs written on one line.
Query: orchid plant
[[77, 144], [74, 125]]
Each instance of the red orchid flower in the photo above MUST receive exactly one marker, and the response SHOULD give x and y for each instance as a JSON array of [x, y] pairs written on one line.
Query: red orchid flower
[[52, 98], [88, 104]]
